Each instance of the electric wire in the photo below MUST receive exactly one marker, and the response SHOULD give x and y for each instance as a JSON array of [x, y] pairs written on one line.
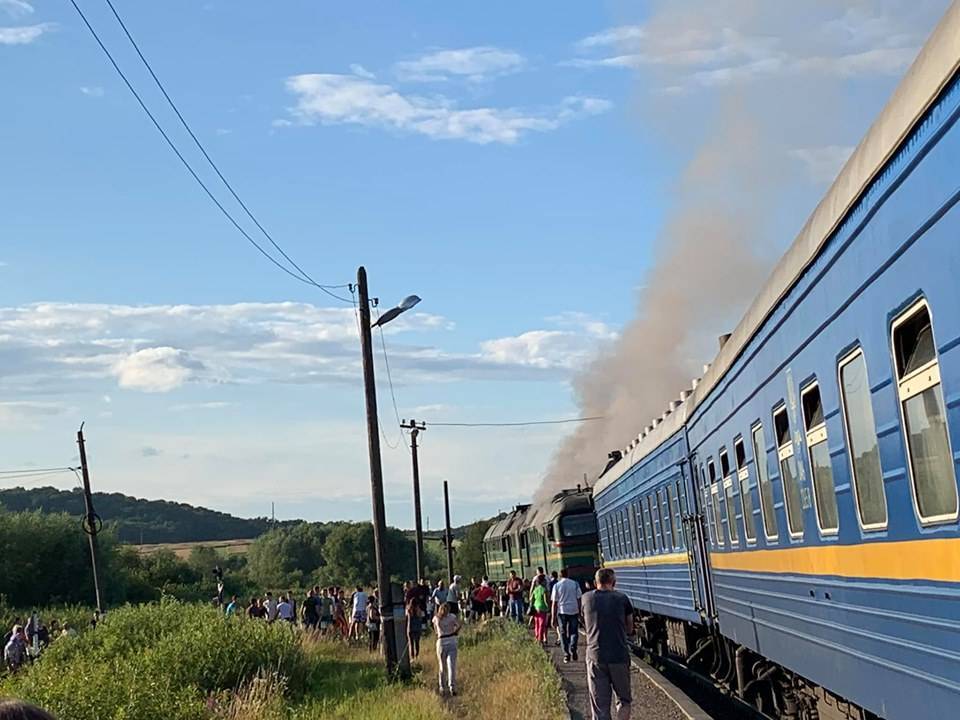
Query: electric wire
[[209, 159], [393, 395], [356, 313], [187, 164], [34, 470], [515, 424]]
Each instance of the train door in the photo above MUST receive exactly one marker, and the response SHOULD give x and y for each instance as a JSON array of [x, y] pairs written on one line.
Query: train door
[[695, 537]]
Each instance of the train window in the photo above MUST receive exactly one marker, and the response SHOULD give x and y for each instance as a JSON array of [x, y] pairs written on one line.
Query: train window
[[621, 531], [743, 482], [824, 492], [788, 472], [632, 515], [763, 481], [551, 533], [705, 500], [608, 531], [638, 523], [862, 447], [652, 504], [679, 512], [648, 523], [673, 510], [733, 529], [627, 531], [715, 502], [664, 520], [924, 416]]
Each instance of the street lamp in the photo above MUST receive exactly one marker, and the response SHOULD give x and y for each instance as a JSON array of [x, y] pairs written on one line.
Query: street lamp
[[376, 470]]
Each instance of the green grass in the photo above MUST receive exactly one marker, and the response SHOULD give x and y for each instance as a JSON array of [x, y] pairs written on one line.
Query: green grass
[[173, 661]]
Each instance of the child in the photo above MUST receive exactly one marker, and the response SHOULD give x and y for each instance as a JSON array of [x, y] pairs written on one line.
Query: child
[[414, 628]]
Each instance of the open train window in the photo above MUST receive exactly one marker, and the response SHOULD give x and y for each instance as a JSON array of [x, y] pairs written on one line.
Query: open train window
[[767, 510], [924, 416], [824, 491], [743, 483], [788, 472], [715, 501], [733, 531], [862, 447]]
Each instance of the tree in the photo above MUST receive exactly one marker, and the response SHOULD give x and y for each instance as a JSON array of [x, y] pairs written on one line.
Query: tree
[[351, 559], [288, 556], [468, 557]]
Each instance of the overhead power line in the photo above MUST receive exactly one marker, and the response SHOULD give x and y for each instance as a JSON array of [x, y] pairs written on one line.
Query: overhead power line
[[514, 424], [28, 471], [302, 276]]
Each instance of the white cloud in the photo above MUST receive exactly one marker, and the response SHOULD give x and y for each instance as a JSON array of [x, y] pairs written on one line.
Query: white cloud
[[346, 99], [823, 163], [92, 90], [223, 131], [361, 71], [23, 35], [568, 349], [212, 405], [150, 451], [16, 8], [20, 414], [696, 45], [613, 36], [475, 64], [156, 369], [66, 348]]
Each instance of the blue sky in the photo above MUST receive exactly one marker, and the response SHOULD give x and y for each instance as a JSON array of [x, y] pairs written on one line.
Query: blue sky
[[511, 163]]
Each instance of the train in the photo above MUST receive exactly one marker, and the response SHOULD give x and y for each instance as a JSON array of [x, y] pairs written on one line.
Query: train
[[558, 532], [789, 524]]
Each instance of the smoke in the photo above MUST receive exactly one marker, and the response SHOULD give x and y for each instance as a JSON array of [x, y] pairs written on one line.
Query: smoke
[[755, 90]]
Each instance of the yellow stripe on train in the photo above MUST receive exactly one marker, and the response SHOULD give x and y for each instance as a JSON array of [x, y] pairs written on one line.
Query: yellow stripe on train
[[936, 559], [667, 559]]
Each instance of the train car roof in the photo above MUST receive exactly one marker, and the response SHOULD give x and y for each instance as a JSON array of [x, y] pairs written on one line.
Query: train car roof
[[933, 69]]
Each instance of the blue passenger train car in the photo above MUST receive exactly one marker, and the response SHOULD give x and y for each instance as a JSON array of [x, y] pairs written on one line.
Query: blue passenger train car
[[815, 565]]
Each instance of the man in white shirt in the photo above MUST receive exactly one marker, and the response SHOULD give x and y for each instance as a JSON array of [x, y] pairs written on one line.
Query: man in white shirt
[[358, 618], [285, 610], [566, 613], [453, 595]]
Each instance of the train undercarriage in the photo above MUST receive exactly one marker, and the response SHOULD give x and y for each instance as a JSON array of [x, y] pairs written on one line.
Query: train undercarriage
[[735, 670]]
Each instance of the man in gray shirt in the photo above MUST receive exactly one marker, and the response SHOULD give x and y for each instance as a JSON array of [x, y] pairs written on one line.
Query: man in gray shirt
[[608, 619]]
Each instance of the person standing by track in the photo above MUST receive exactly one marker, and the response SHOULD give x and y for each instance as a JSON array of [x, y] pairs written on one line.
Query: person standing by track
[[608, 620], [539, 605], [515, 594], [565, 601], [447, 626]]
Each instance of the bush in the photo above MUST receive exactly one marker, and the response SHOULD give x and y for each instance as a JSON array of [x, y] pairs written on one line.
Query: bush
[[158, 662]]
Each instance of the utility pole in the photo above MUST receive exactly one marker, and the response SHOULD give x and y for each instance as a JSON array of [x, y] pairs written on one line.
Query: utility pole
[[415, 429], [448, 536], [384, 590], [91, 521]]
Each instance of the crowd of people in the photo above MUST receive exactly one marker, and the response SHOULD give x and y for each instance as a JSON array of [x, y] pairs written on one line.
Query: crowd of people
[[543, 601], [27, 639]]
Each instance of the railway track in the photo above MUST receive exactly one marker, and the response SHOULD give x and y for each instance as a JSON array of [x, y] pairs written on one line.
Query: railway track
[[689, 688]]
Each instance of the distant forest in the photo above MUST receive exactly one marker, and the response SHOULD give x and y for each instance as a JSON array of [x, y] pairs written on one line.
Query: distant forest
[[136, 520], [152, 521]]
